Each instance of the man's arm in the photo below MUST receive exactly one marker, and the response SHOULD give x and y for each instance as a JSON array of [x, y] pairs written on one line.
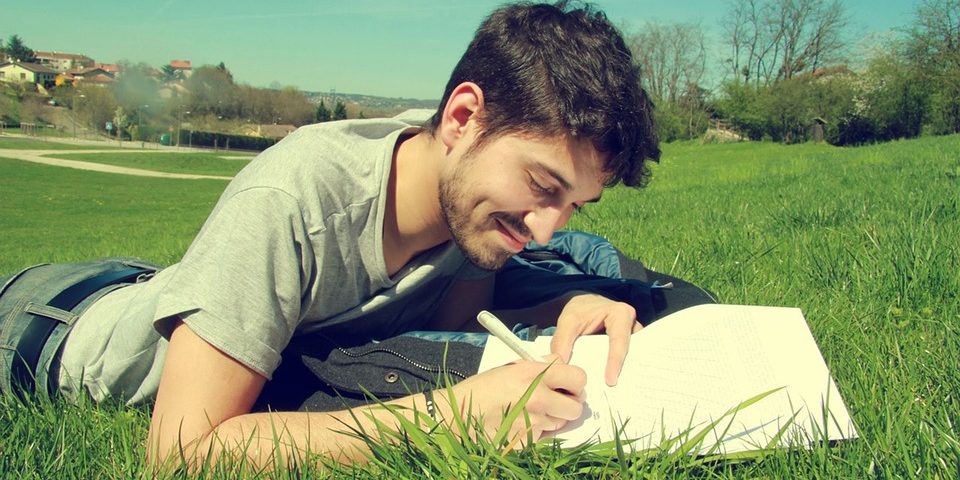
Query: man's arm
[[202, 409]]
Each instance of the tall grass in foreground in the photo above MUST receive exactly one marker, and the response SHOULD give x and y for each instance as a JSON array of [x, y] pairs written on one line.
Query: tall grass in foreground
[[863, 240]]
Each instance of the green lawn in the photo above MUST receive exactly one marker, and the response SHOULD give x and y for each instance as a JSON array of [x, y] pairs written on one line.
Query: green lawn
[[864, 240], [53, 214], [172, 162], [19, 143]]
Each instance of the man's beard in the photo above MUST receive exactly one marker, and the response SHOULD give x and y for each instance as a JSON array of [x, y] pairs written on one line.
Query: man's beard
[[469, 238]]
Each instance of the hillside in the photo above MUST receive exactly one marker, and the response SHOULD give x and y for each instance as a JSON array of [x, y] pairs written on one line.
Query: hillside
[[370, 105]]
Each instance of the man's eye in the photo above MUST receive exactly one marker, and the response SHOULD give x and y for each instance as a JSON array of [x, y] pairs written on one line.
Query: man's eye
[[540, 188]]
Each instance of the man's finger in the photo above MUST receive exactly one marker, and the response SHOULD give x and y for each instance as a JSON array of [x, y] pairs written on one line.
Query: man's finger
[[619, 334], [552, 358], [562, 342], [566, 378]]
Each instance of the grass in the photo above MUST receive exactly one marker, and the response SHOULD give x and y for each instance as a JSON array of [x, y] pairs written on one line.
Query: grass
[[864, 240], [195, 163], [53, 214], [19, 143]]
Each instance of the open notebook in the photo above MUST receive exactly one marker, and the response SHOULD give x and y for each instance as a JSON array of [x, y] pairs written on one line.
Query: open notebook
[[691, 368]]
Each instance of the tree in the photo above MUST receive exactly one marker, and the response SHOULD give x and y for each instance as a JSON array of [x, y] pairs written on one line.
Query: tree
[[95, 106], [670, 57], [934, 50], [170, 74], [672, 61], [223, 68], [212, 92], [18, 51], [339, 111], [773, 40], [323, 113], [293, 107], [119, 120], [897, 99]]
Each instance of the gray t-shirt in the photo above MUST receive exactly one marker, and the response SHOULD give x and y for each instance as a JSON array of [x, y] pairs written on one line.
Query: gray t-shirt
[[294, 245]]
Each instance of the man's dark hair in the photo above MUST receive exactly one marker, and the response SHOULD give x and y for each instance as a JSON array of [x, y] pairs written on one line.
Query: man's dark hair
[[547, 70]]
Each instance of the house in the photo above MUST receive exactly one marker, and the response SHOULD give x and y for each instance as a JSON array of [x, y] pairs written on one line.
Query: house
[[63, 62], [65, 78], [112, 69], [19, 72], [182, 66], [98, 80], [84, 75]]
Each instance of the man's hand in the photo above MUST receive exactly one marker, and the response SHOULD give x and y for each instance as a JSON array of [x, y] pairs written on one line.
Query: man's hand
[[587, 313], [556, 400]]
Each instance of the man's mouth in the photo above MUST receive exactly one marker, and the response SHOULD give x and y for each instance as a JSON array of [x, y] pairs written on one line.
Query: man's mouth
[[515, 242]]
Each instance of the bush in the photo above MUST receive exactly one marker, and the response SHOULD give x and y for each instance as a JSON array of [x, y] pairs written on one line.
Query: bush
[[739, 104], [225, 141]]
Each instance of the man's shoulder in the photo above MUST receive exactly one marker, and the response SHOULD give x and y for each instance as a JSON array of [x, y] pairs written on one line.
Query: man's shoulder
[[349, 142], [359, 129]]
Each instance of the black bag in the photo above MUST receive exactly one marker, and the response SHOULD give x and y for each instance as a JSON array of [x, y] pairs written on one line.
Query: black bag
[[319, 373]]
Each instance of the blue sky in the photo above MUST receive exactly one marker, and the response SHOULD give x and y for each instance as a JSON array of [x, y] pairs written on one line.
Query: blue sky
[[375, 47]]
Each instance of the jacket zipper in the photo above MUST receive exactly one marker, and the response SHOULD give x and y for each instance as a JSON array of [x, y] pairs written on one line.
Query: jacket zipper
[[427, 368]]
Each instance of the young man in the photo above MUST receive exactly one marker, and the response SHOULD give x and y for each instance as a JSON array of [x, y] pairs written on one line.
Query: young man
[[378, 227]]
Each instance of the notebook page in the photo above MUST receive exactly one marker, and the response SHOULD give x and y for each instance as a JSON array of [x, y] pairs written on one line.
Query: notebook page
[[691, 368]]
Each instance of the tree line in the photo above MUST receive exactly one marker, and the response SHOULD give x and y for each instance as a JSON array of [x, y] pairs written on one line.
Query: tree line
[[143, 102], [787, 75], [15, 49], [787, 68]]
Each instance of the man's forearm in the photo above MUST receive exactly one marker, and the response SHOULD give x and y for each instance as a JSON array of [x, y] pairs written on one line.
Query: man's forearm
[[286, 438]]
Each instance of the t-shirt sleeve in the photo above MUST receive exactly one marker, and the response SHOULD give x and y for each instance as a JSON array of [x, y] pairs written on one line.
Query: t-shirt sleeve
[[240, 284]]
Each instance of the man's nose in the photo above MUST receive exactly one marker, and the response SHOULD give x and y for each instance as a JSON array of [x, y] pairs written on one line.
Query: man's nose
[[542, 222]]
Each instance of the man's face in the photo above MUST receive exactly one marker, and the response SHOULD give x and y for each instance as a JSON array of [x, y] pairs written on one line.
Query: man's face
[[516, 189]]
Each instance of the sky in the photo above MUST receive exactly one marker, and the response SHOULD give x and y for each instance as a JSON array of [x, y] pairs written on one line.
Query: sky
[[375, 47]]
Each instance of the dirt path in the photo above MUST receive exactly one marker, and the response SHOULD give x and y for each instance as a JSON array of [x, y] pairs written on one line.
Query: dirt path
[[37, 156]]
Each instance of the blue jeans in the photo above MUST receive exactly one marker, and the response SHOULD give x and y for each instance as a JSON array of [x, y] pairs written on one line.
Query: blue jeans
[[25, 298]]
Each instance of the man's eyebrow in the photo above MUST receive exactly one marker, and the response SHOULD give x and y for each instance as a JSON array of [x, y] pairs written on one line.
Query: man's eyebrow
[[561, 180]]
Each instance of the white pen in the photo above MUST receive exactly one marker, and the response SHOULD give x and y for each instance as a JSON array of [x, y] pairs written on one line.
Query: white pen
[[499, 330]]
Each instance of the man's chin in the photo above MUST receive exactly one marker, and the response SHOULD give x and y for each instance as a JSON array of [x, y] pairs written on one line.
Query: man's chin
[[486, 263], [486, 260]]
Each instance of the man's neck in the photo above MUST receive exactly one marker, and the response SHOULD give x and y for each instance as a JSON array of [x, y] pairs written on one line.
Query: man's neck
[[413, 222]]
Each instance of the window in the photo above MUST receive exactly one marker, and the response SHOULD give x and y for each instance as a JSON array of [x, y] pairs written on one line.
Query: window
[[23, 76]]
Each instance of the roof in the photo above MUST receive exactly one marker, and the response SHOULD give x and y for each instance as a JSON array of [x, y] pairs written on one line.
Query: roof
[[64, 56], [109, 67], [101, 78], [90, 70], [33, 67], [181, 64]]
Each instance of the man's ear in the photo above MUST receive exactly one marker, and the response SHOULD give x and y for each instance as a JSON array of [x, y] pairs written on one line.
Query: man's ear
[[463, 106]]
